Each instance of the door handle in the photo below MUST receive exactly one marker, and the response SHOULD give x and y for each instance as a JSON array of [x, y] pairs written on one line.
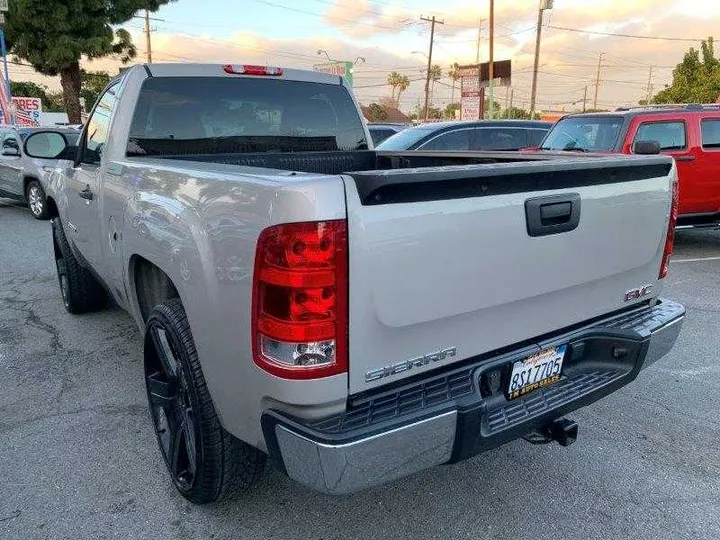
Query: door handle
[[685, 158], [86, 193], [553, 214]]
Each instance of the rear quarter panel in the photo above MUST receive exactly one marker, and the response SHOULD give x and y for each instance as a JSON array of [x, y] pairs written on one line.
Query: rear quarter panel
[[199, 223]]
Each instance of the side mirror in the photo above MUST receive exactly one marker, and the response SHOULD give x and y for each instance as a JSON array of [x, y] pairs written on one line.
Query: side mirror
[[10, 151], [45, 144], [646, 148]]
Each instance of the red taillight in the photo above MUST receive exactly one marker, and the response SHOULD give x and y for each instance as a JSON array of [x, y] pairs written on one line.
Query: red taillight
[[300, 304], [670, 238], [253, 70]]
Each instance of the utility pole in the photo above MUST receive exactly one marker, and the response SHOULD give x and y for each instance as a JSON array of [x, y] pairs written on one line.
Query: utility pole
[[491, 66], [544, 4], [477, 52], [585, 99], [512, 91], [147, 37], [597, 80], [432, 22], [649, 87], [507, 95]]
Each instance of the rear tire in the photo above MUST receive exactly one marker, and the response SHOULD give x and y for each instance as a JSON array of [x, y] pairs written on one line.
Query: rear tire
[[205, 462], [37, 202], [81, 292]]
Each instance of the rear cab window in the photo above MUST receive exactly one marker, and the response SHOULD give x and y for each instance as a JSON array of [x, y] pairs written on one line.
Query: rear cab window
[[202, 115], [671, 134]]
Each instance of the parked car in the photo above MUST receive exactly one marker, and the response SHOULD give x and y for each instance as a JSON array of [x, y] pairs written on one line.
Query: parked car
[[380, 132], [23, 166], [355, 315], [468, 135], [690, 134]]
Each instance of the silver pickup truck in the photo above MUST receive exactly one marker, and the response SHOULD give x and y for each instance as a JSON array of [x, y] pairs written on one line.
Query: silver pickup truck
[[355, 316]]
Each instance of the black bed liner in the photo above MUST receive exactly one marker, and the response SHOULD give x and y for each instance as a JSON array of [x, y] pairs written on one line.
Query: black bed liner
[[397, 177]]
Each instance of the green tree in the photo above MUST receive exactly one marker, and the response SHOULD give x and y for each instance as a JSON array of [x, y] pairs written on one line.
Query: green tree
[[393, 79], [696, 79], [53, 35], [93, 83], [376, 113], [516, 113], [454, 74], [450, 109], [403, 84], [31, 89], [433, 113]]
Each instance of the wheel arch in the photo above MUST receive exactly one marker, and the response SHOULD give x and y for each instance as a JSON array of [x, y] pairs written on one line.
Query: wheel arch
[[51, 206], [150, 285]]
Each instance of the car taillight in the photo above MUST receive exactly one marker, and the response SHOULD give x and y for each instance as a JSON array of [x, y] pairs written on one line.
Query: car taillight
[[268, 71], [670, 238], [300, 300]]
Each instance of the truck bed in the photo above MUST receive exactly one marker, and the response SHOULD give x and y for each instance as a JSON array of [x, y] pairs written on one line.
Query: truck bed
[[383, 177]]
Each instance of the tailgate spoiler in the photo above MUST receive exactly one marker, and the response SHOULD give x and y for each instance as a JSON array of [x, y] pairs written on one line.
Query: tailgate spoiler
[[402, 185]]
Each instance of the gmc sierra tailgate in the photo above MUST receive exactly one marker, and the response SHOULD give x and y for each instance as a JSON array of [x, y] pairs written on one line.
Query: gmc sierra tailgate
[[448, 263]]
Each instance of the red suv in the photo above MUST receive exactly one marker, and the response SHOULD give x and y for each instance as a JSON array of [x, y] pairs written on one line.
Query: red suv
[[688, 133]]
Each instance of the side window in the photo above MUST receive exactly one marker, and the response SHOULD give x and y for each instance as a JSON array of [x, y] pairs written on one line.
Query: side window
[[670, 135], [535, 136], [710, 133], [99, 125], [499, 139], [452, 140], [379, 135]]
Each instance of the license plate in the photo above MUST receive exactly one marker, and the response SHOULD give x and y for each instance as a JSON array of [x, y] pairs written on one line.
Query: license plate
[[536, 371]]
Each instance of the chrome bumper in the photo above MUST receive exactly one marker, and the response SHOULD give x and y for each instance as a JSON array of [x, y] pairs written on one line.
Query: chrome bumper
[[347, 459]]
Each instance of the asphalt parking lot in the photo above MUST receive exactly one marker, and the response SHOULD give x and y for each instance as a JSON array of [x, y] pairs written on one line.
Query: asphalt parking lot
[[78, 458]]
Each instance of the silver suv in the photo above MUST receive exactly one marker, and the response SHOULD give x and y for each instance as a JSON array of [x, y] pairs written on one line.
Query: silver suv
[[22, 173]]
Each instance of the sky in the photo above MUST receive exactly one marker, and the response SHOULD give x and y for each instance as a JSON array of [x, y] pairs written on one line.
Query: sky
[[388, 35]]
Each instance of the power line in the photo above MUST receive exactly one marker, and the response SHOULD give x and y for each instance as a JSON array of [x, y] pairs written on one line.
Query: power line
[[616, 34]]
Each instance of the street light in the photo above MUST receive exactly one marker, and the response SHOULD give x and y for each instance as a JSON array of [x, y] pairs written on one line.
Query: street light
[[544, 5], [323, 51]]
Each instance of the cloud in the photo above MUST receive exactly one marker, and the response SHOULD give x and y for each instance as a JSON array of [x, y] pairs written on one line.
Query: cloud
[[386, 34]]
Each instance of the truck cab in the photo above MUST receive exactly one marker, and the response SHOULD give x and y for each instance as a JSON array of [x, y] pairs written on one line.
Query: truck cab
[[688, 133]]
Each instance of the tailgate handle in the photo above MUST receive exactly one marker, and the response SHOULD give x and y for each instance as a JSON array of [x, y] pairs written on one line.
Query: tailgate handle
[[553, 214]]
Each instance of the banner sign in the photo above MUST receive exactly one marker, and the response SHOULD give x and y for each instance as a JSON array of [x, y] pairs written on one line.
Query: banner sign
[[341, 69], [472, 95], [28, 111]]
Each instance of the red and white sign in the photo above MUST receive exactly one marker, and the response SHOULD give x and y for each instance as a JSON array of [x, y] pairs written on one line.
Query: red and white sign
[[471, 93], [28, 111]]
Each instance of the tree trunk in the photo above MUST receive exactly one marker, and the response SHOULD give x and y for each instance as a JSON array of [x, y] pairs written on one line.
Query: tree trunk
[[70, 82]]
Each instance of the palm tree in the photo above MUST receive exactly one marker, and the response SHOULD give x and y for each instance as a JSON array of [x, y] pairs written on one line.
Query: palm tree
[[393, 80], [435, 75], [403, 84], [454, 74]]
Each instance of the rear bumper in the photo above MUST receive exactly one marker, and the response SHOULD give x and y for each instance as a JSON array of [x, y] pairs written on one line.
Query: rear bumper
[[449, 416]]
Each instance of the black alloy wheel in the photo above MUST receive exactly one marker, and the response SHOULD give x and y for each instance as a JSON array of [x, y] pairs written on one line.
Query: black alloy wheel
[[172, 406]]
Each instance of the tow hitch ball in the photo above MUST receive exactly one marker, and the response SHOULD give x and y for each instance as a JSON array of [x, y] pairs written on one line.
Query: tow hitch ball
[[562, 430]]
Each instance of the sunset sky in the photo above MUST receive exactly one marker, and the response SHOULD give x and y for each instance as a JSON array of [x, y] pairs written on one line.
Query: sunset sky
[[386, 32]]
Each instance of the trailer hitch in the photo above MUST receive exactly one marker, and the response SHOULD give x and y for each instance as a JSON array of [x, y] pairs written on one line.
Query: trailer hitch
[[563, 431]]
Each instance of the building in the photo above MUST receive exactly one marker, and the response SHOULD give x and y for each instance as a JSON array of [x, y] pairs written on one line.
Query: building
[[394, 115]]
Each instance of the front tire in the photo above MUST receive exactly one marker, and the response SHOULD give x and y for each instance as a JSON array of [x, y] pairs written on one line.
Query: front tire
[[37, 202], [81, 292], [205, 462]]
